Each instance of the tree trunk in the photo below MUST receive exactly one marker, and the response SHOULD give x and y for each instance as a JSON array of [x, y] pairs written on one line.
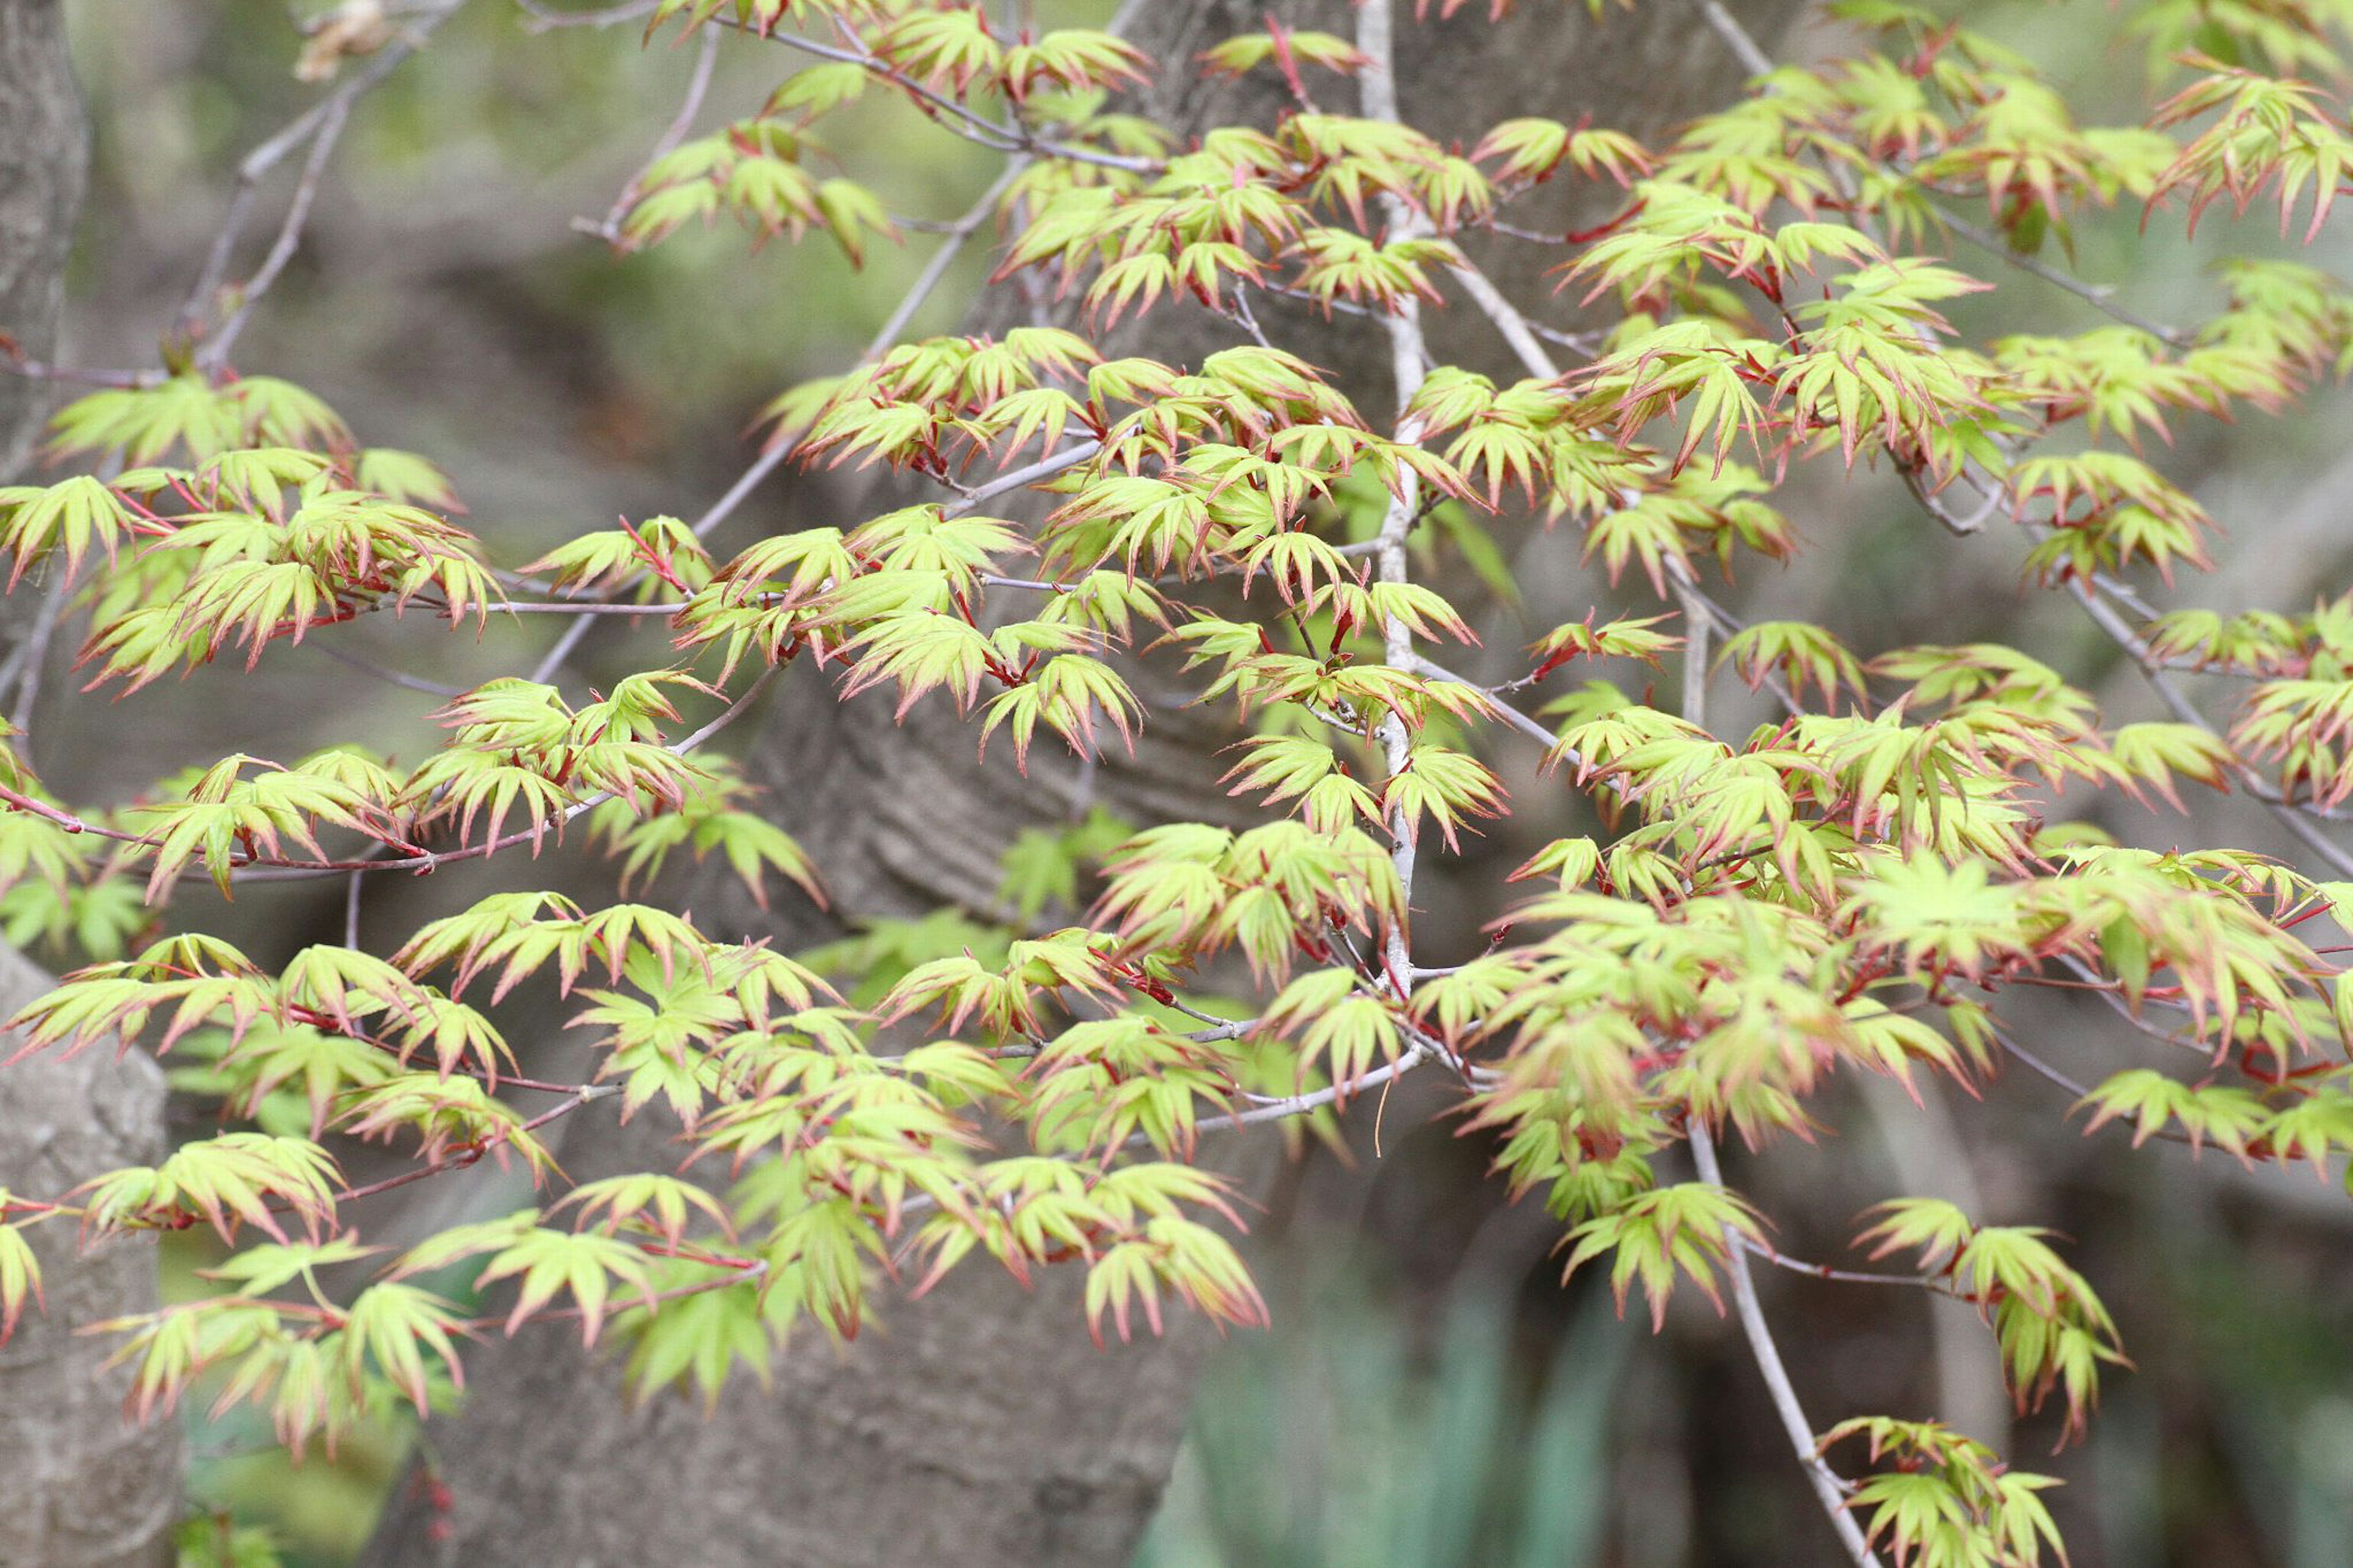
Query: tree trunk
[[43, 163], [979, 1426], [80, 1486]]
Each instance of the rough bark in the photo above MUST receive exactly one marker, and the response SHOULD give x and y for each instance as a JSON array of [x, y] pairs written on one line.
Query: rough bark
[[43, 162], [80, 1486], [980, 1428]]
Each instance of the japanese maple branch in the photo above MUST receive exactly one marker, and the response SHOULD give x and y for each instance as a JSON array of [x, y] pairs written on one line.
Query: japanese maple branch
[[472, 1154], [256, 165], [540, 18], [272, 868], [1744, 46], [1408, 353], [1778, 1259], [777, 455], [397, 678], [2289, 814], [1517, 330], [1828, 1487], [698, 85], [214, 351], [275, 871], [945, 112], [1827, 1484], [2099, 296], [1316, 1100], [35, 653]]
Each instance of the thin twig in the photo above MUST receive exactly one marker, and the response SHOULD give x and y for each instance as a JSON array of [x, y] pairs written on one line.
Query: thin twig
[[256, 165], [397, 676], [2101, 297], [2081, 1092], [541, 18], [472, 1155], [2040, 1066], [946, 113], [2288, 814], [781, 452], [1828, 1487], [14, 362], [698, 85], [352, 901], [581, 608], [215, 350], [36, 653], [1517, 329], [1842, 1275], [1744, 49], [1301, 1104]]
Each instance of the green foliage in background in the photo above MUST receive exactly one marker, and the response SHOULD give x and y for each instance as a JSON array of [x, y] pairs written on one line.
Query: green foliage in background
[[1327, 1441]]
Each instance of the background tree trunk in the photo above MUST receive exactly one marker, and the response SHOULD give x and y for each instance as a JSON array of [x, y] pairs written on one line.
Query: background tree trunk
[[80, 1486], [977, 1426]]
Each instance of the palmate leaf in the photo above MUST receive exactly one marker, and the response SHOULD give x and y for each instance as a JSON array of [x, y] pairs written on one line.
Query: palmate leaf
[[71, 516], [284, 1079], [251, 602], [2266, 134], [391, 1328], [1800, 653], [20, 1275], [1067, 694], [1103, 1082], [1447, 786], [1683, 364], [1653, 1237], [520, 933], [817, 1261], [700, 1338], [261, 1270], [235, 1179], [1172, 1254], [921, 653], [144, 423], [754, 847], [2054, 1331], [646, 1201], [453, 1118], [196, 978], [581, 1264], [229, 818], [470, 787], [1949, 1502], [1943, 918], [168, 1349]]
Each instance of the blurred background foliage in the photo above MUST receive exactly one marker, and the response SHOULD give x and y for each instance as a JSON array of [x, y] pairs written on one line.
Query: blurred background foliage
[[1430, 1395]]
